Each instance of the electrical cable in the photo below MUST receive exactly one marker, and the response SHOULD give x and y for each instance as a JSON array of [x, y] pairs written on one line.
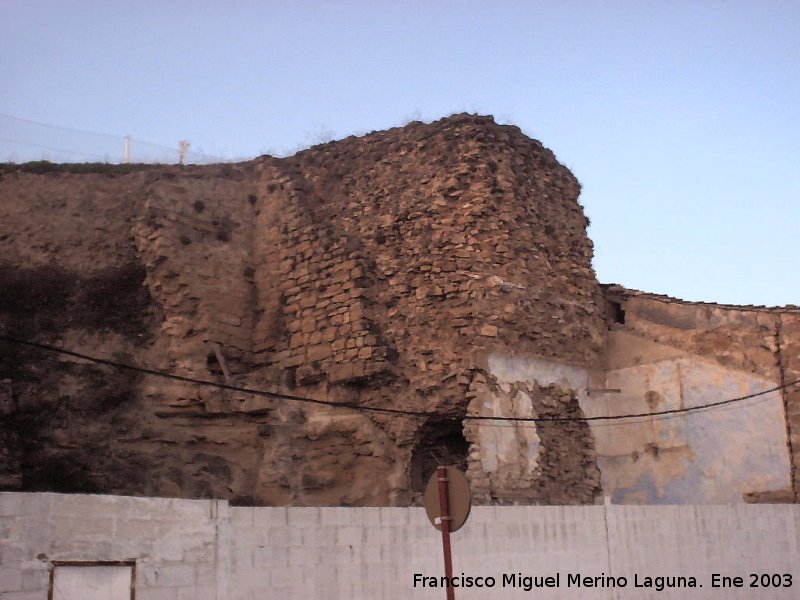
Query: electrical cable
[[373, 409], [96, 134], [64, 150], [51, 126]]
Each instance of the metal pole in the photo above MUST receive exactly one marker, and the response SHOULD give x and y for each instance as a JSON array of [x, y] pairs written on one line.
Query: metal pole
[[127, 148], [445, 511]]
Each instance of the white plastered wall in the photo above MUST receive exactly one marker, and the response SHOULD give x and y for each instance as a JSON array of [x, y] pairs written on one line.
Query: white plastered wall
[[205, 549]]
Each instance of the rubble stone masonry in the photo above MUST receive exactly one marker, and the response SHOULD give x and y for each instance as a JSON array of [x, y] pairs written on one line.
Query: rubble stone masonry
[[380, 271]]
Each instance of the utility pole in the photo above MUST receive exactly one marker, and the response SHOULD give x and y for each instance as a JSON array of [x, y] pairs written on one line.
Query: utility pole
[[127, 148], [183, 148]]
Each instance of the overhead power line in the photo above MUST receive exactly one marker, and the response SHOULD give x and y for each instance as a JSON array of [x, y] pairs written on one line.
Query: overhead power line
[[374, 409], [50, 126], [64, 150], [36, 134]]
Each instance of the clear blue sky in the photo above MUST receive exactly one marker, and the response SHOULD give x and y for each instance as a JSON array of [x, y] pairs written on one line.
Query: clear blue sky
[[681, 119]]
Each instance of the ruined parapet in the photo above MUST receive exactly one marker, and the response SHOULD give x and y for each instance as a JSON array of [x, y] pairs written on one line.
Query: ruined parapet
[[402, 269], [472, 243]]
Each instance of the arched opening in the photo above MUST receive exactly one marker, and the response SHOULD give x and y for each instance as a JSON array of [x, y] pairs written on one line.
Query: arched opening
[[439, 442]]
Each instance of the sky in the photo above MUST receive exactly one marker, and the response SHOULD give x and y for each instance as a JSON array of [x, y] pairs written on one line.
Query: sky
[[680, 119]]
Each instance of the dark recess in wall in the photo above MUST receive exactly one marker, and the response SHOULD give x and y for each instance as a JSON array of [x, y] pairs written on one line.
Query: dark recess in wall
[[439, 442]]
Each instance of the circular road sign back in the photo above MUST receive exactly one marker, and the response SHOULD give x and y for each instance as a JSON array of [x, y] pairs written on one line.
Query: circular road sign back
[[459, 500]]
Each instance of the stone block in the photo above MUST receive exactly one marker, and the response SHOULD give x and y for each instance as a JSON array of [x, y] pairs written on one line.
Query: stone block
[[286, 577], [293, 360], [35, 579], [143, 593], [9, 554], [307, 301], [41, 595], [350, 536], [319, 351], [488, 330], [199, 592], [341, 372]]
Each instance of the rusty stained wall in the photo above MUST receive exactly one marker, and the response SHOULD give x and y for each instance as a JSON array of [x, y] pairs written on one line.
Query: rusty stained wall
[[725, 455], [671, 354], [718, 456]]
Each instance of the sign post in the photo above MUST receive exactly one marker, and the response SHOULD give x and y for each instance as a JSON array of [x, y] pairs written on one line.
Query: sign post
[[447, 503], [441, 475]]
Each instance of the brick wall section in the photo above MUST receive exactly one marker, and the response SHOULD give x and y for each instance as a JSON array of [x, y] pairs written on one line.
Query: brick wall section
[[324, 289], [433, 226], [440, 214], [558, 461]]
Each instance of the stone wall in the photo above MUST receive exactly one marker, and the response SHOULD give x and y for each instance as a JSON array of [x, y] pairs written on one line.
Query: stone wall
[[529, 462], [441, 268], [370, 270]]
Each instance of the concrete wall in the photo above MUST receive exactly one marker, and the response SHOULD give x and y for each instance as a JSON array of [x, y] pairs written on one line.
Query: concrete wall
[[727, 454], [754, 343], [711, 456], [208, 550], [174, 542]]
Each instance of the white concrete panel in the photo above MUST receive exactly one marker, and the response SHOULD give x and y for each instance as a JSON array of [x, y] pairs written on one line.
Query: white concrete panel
[[374, 553], [701, 541], [92, 583]]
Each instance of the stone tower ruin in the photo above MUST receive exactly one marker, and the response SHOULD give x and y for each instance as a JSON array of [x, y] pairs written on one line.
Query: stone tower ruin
[[438, 268]]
